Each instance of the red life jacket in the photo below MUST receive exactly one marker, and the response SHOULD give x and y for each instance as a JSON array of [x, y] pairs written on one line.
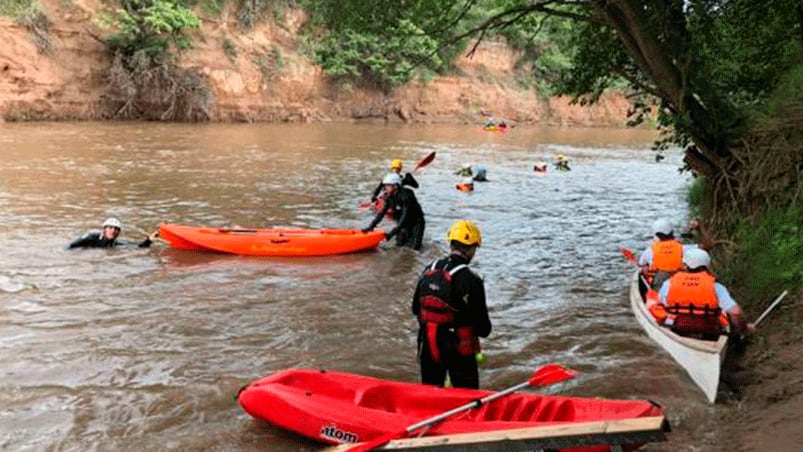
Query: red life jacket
[[692, 300], [438, 308]]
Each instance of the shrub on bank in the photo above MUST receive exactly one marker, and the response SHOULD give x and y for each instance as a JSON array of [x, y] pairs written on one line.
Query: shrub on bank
[[768, 259]]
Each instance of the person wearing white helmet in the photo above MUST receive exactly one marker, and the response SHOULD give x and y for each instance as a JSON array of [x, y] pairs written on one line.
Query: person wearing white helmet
[[407, 181], [664, 256], [107, 237], [407, 213], [694, 300]]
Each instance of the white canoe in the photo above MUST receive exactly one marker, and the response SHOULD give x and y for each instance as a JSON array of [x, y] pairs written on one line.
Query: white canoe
[[702, 360]]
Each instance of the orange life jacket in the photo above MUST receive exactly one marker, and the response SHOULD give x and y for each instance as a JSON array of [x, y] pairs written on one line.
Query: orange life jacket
[[692, 303], [667, 256]]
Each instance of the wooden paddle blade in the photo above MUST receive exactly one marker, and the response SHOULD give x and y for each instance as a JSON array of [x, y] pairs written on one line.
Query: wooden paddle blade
[[425, 161], [550, 374], [629, 255]]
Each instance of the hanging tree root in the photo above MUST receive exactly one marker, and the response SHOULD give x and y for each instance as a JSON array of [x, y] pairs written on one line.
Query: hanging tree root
[[153, 87]]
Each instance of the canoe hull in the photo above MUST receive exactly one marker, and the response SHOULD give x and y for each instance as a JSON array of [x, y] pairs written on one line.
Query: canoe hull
[[702, 360], [334, 407], [271, 242]]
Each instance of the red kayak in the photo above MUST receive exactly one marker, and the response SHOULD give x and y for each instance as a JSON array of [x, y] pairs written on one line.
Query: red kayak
[[335, 407], [270, 242]]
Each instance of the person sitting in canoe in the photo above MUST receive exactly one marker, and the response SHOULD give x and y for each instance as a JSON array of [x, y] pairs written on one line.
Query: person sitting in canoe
[[664, 256], [562, 163], [408, 180], [407, 213], [693, 301], [107, 236], [449, 302]]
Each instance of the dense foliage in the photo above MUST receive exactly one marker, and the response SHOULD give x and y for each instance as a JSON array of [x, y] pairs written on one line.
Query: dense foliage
[[150, 26]]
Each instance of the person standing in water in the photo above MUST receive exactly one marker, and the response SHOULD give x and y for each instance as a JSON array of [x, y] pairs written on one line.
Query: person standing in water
[[107, 237]]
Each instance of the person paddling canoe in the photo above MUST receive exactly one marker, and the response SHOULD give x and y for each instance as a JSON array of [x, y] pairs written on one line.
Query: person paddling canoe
[[107, 237], [449, 302], [693, 301]]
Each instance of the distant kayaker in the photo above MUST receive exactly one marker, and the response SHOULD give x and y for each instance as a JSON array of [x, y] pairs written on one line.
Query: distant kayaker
[[407, 180], [465, 171], [465, 185], [693, 300], [480, 173], [562, 163], [407, 213], [540, 167], [449, 302], [107, 237]]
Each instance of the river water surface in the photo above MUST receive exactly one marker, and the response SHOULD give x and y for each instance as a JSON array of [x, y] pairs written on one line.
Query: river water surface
[[143, 349]]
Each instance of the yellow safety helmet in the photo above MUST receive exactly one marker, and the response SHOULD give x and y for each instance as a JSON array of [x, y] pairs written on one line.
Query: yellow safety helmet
[[561, 157], [465, 232], [396, 164]]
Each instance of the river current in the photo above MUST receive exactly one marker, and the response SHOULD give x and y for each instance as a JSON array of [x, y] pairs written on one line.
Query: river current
[[145, 349]]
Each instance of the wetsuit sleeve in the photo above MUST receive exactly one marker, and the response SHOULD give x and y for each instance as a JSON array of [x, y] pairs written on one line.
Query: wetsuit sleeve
[[379, 215], [416, 305], [410, 181], [145, 243], [479, 308], [375, 195], [86, 240], [404, 201]]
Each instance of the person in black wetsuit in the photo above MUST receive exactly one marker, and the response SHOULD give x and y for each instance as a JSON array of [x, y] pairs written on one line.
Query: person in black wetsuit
[[407, 213], [449, 302], [407, 180], [107, 237]]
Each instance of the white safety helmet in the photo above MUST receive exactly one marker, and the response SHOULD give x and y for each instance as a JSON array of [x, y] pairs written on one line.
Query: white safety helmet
[[112, 222], [467, 165], [662, 226], [392, 179], [696, 257]]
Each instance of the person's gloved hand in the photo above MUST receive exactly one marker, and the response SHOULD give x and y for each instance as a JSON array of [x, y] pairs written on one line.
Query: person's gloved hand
[[387, 236], [373, 199], [367, 229]]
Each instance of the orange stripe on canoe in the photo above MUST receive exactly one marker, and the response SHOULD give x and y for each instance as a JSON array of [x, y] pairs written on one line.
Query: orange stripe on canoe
[[270, 242]]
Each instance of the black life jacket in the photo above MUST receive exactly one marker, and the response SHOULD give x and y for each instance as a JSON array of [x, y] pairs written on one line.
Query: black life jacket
[[438, 308]]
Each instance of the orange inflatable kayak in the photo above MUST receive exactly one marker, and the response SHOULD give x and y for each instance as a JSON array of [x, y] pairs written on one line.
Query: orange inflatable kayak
[[270, 242]]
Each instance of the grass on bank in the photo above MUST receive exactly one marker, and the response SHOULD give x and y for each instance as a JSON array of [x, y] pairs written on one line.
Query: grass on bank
[[15, 8]]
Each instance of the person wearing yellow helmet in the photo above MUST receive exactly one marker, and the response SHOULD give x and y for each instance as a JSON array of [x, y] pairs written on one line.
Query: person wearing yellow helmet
[[449, 302], [107, 237], [406, 212], [408, 181], [562, 163]]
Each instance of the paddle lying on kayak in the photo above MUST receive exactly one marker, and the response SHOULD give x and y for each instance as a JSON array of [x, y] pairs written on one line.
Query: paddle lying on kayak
[[544, 376], [421, 163]]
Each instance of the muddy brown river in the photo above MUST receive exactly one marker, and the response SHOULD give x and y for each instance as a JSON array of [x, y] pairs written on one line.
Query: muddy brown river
[[145, 349]]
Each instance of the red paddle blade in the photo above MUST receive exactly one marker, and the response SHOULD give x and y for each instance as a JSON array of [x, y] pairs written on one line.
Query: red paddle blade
[[629, 255], [550, 374], [377, 442], [425, 161]]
